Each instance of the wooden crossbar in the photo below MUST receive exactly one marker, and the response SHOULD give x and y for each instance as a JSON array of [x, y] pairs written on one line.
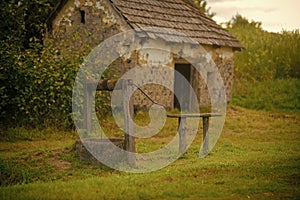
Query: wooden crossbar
[[103, 84]]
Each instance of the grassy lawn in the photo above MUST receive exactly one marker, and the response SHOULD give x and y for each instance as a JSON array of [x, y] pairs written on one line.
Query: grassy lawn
[[257, 156]]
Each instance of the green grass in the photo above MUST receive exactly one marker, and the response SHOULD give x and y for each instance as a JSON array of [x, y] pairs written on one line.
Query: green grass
[[275, 95], [257, 156]]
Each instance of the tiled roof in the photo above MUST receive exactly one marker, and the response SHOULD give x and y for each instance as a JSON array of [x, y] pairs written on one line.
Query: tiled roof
[[178, 15]]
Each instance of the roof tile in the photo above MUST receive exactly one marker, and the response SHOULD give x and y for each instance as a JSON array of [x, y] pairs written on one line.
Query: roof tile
[[177, 15]]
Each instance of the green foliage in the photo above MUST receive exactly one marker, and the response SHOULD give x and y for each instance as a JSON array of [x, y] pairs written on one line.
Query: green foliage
[[283, 95], [202, 5], [36, 86], [241, 22], [36, 82], [267, 71], [267, 56], [23, 21], [36, 78]]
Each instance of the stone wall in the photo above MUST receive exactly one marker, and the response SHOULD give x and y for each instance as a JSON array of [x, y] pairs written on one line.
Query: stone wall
[[223, 57], [83, 24]]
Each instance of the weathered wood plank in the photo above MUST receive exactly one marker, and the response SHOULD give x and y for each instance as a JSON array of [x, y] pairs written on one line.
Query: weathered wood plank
[[194, 115], [182, 134], [205, 121], [87, 109], [129, 142]]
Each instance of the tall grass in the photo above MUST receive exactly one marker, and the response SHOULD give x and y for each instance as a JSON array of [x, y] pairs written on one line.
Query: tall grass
[[279, 95], [267, 71]]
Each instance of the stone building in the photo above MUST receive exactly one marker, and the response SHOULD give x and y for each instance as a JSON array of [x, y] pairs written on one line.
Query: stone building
[[80, 25]]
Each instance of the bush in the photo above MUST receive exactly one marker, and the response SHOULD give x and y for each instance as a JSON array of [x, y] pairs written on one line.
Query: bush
[[267, 71], [36, 87], [267, 56]]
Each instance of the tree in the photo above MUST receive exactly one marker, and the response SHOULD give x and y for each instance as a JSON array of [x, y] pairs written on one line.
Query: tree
[[267, 56], [238, 21], [202, 5], [23, 21]]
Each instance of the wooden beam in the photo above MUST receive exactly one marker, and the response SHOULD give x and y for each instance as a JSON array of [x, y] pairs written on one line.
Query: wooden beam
[[195, 115], [182, 134], [104, 84], [129, 143], [87, 109], [205, 134]]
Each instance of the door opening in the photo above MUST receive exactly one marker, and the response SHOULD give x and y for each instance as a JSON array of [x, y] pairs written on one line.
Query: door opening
[[181, 89]]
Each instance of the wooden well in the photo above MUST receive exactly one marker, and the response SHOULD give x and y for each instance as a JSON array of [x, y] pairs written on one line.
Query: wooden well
[[102, 145]]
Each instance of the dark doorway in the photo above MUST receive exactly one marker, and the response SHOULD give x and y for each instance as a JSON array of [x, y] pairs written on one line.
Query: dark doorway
[[182, 90]]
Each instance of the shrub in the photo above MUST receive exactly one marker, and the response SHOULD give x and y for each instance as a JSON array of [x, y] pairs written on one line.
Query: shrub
[[36, 86], [267, 56]]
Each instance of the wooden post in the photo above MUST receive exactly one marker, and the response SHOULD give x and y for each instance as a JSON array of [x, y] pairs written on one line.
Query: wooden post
[[205, 134], [182, 134], [87, 106], [102, 85], [129, 143]]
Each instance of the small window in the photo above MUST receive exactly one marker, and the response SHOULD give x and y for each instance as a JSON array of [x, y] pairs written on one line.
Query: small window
[[82, 13]]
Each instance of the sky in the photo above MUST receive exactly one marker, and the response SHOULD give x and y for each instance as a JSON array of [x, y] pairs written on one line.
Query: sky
[[275, 15]]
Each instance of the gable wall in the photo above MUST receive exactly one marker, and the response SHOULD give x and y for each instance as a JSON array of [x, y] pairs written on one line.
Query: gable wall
[[72, 36]]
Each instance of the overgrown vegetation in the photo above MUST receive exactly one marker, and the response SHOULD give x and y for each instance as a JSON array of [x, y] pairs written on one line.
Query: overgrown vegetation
[[36, 87], [267, 71], [36, 81], [280, 95], [267, 56]]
